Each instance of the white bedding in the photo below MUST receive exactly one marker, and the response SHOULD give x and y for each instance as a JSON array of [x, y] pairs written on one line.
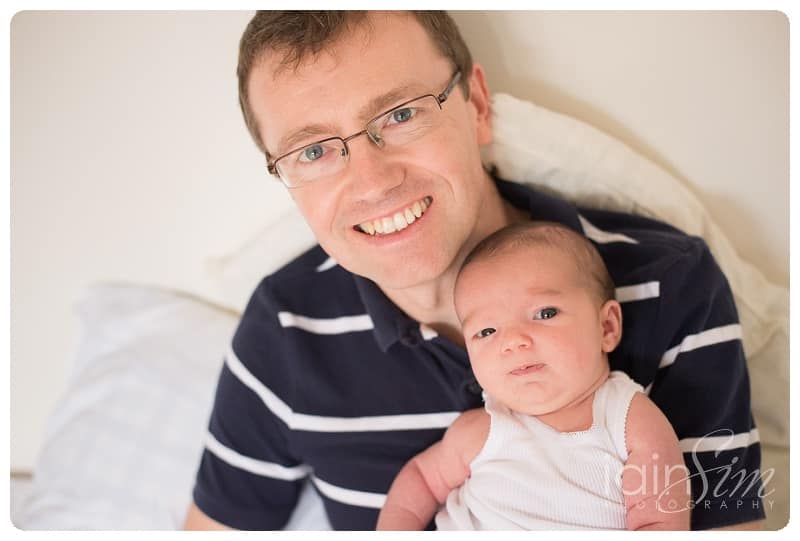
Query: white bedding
[[122, 446], [122, 442]]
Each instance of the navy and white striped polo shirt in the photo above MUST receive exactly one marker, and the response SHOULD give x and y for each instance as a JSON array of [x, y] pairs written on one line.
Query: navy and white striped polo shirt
[[328, 380]]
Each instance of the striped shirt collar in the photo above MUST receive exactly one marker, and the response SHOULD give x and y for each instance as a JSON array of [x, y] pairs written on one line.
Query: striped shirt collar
[[542, 207], [390, 323]]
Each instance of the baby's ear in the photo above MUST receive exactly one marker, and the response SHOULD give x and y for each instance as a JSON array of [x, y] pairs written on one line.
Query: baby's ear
[[611, 323]]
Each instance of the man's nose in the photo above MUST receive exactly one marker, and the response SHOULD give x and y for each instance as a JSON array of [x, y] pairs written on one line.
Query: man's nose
[[371, 171]]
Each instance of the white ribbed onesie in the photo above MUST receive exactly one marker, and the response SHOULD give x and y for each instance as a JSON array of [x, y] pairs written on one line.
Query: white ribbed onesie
[[529, 476]]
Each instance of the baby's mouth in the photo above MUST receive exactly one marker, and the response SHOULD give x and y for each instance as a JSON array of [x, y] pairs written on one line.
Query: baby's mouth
[[527, 369], [386, 225]]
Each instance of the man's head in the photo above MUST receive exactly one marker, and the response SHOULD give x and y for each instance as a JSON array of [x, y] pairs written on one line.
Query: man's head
[[538, 316], [331, 86], [298, 35]]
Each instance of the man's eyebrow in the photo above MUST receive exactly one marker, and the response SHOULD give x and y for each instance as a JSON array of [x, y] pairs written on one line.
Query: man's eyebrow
[[289, 141], [380, 104], [375, 106]]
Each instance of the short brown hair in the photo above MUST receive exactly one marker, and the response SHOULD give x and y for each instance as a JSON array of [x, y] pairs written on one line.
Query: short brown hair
[[298, 34], [550, 234]]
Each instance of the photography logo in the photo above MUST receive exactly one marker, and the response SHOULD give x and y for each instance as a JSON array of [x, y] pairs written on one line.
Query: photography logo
[[722, 487]]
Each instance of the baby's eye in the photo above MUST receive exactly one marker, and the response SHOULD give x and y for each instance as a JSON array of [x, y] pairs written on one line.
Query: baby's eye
[[483, 333], [546, 313]]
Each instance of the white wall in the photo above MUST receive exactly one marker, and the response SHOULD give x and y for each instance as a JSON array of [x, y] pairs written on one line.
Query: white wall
[[130, 160]]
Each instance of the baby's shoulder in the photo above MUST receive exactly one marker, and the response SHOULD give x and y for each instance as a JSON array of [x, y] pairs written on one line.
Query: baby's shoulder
[[473, 423], [646, 426], [467, 435]]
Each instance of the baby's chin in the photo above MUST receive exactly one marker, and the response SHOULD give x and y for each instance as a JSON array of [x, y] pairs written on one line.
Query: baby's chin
[[535, 401], [529, 405], [535, 410]]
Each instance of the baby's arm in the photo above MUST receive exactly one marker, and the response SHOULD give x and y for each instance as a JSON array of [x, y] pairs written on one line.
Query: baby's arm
[[425, 481], [655, 479]]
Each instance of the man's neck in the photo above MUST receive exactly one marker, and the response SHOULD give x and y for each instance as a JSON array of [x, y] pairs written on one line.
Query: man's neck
[[431, 302]]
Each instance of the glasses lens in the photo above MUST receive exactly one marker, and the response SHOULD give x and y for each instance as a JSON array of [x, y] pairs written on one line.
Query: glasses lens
[[315, 161], [408, 122]]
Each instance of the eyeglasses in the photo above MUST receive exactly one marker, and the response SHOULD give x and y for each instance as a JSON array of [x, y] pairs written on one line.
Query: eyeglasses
[[399, 126]]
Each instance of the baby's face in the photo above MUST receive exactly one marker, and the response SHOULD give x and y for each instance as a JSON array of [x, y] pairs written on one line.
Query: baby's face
[[536, 334]]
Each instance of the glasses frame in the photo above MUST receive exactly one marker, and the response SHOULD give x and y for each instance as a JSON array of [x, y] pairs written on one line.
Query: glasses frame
[[374, 137]]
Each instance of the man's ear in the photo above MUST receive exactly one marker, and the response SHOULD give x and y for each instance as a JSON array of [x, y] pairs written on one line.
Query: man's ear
[[479, 98], [611, 325]]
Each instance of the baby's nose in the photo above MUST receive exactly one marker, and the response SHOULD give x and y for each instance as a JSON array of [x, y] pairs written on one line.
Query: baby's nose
[[517, 340]]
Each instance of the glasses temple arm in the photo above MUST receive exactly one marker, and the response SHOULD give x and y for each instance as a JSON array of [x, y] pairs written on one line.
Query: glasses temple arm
[[444, 95]]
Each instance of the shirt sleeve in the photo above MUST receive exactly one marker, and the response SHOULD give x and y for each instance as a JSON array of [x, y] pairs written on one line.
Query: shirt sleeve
[[702, 386], [248, 477]]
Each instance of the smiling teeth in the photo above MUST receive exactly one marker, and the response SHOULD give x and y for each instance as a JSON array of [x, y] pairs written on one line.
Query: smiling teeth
[[398, 221]]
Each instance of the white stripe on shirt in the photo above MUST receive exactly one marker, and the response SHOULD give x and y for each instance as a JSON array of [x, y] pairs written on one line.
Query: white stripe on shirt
[[720, 443], [252, 465], [327, 264], [427, 333], [638, 292], [349, 496], [709, 337], [319, 423], [603, 237], [336, 325], [283, 473]]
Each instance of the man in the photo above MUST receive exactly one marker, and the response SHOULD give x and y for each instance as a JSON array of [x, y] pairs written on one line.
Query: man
[[349, 361]]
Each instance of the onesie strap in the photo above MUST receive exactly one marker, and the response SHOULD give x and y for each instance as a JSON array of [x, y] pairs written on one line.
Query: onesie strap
[[620, 390]]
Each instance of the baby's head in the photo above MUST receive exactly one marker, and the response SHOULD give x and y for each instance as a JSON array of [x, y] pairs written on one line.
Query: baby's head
[[537, 310]]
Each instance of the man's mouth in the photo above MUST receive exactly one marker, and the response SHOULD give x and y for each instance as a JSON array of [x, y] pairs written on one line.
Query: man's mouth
[[386, 225]]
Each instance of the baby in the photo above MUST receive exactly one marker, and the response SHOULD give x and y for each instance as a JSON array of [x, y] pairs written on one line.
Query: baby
[[563, 442]]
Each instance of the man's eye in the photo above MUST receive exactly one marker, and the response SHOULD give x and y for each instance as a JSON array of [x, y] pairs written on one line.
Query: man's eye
[[484, 332], [312, 153], [399, 116], [546, 313]]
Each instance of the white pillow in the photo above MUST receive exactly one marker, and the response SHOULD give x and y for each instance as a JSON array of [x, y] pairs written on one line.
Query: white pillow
[[122, 446], [563, 155]]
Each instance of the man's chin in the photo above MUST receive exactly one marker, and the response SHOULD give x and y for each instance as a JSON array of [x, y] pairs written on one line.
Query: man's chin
[[398, 281], [402, 275]]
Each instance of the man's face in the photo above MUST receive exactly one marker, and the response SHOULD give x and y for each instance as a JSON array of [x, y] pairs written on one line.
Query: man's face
[[438, 176]]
